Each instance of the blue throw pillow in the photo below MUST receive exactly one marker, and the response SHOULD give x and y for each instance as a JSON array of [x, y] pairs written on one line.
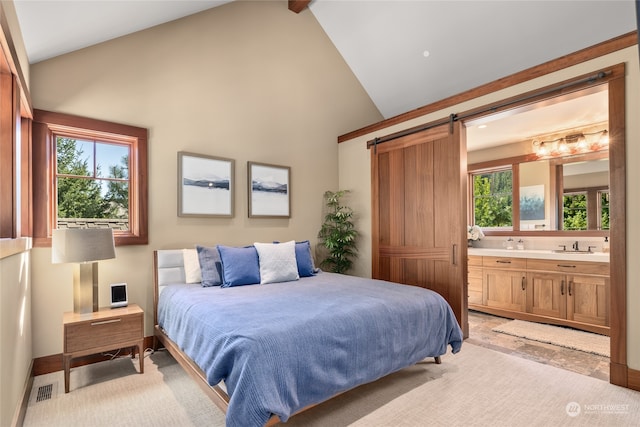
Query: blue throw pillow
[[304, 259], [240, 266], [210, 266]]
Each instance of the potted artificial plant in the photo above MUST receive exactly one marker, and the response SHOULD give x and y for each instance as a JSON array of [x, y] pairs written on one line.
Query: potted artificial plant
[[337, 234]]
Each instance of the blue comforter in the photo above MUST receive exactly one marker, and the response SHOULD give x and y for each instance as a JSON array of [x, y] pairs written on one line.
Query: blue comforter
[[283, 346]]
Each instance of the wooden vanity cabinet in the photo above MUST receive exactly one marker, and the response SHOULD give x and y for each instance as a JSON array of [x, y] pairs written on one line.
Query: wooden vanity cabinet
[[546, 294], [474, 276], [574, 290], [571, 293], [504, 283]]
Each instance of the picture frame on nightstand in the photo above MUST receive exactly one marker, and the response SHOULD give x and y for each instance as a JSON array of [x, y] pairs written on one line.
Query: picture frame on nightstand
[[119, 295]]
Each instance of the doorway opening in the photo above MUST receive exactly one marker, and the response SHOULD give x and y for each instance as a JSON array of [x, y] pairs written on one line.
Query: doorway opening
[[509, 134]]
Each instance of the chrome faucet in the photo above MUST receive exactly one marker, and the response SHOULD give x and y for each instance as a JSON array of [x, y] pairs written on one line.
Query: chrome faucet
[[575, 246]]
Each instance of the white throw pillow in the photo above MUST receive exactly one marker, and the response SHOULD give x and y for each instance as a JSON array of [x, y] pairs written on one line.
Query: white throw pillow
[[191, 266], [277, 262]]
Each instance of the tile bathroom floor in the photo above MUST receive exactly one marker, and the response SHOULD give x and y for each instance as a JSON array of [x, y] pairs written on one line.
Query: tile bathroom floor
[[480, 333]]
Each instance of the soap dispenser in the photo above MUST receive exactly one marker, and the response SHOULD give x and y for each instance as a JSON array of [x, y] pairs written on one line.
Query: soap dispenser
[[520, 245], [605, 245], [508, 244]]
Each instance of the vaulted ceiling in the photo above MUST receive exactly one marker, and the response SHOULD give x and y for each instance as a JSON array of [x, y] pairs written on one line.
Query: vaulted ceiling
[[406, 54]]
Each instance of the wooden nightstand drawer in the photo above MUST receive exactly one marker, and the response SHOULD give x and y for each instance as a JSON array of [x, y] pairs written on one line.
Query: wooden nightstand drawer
[[94, 333], [103, 330]]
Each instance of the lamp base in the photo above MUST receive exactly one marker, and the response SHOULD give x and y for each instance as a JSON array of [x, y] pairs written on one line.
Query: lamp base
[[85, 288]]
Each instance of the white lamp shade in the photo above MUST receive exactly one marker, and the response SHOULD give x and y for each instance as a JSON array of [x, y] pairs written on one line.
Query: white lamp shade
[[82, 245]]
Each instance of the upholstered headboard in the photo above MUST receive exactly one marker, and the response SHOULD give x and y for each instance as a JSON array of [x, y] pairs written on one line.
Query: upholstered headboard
[[168, 268]]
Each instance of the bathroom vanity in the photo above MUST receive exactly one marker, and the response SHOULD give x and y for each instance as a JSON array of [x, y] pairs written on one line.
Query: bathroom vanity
[[567, 288]]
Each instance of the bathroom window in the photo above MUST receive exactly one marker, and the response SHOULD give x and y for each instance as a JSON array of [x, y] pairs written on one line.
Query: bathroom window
[[493, 198], [586, 210]]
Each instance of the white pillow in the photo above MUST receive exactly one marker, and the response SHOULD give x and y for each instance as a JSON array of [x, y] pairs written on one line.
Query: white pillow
[[277, 262], [191, 266]]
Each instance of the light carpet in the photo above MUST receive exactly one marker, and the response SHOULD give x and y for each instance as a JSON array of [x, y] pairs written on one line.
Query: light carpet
[[476, 387], [557, 335]]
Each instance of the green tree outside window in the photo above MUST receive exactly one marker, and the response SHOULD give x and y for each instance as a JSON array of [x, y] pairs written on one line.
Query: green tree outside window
[[83, 191], [574, 212], [493, 199]]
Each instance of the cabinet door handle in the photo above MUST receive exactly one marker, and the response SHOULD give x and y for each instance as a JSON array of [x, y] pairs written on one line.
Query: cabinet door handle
[[104, 322], [562, 287], [569, 287], [524, 283], [566, 266], [503, 262]]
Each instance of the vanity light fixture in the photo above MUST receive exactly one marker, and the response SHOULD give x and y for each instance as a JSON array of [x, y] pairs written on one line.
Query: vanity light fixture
[[572, 144]]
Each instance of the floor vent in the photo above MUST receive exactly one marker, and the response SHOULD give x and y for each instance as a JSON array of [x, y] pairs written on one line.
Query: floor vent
[[44, 392]]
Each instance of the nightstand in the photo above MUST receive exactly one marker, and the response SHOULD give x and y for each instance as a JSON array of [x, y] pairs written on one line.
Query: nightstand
[[103, 330]]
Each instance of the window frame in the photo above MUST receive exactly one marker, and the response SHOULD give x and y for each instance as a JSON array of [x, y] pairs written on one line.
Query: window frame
[[10, 146], [513, 168], [128, 142], [46, 125], [594, 207]]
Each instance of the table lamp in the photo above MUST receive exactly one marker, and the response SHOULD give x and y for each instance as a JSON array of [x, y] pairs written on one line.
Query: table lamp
[[84, 247]]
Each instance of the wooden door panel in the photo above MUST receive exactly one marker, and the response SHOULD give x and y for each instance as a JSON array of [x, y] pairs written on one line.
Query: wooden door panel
[[503, 289], [418, 196], [384, 268], [417, 272], [441, 281], [588, 300], [547, 294], [391, 204], [419, 214], [383, 208]]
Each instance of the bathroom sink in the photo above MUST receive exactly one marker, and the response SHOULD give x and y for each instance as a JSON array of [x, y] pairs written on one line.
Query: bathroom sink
[[567, 251]]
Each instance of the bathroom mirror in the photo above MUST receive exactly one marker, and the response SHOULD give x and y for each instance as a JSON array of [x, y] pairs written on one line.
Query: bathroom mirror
[[559, 194]]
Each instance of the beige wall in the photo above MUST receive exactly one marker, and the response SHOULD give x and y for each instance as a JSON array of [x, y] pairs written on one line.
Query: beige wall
[[15, 332], [354, 170], [250, 81]]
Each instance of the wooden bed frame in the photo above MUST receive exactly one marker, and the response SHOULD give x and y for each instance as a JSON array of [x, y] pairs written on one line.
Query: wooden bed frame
[[216, 393]]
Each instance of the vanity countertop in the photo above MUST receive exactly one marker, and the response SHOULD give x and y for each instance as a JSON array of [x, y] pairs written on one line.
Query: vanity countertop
[[540, 254]]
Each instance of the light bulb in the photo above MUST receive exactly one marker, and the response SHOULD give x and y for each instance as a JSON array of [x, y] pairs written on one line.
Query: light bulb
[[563, 147], [582, 143], [543, 150]]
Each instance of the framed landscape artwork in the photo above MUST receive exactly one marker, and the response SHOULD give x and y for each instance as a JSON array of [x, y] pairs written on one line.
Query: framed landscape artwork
[[532, 202], [205, 185], [269, 190]]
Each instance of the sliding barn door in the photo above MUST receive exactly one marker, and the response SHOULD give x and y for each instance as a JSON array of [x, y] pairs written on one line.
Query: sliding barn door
[[419, 213]]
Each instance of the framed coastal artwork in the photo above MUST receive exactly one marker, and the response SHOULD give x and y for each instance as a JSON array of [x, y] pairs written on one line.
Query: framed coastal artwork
[[205, 185], [269, 190]]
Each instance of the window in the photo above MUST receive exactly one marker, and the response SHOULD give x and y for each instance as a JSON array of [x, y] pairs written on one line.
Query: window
[[92, 183], [585, 210], [97, 177], [493, 198], [574, 212], [603, 209]]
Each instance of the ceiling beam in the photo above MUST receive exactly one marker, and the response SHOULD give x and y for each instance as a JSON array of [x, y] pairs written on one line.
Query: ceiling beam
[[298, 6]]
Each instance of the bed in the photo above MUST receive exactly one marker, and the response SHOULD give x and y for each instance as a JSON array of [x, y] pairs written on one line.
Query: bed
[[265, 352]]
